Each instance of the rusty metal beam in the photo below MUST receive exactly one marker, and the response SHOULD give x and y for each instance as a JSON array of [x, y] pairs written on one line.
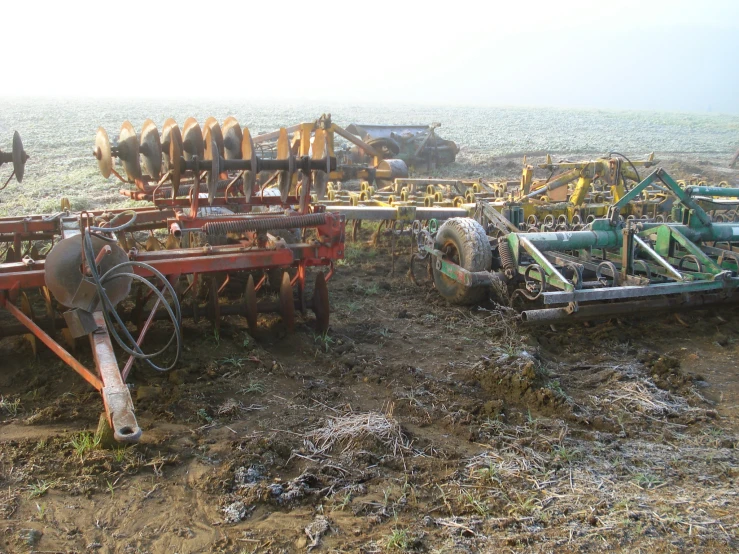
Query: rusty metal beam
[[65, 356], [116, 396]]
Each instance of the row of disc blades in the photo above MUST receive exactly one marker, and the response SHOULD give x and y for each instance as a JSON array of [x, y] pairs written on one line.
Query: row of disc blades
[[151, 155], [148, 154]]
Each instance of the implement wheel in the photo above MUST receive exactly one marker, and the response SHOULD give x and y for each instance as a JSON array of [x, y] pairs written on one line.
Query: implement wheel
[[464, 243]]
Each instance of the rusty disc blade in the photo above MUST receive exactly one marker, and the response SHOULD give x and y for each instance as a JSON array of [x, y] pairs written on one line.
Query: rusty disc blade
[[212, 134], [287, 303], [192, 140], [214, 172], [19, 156], [320, 303], [170, 131], [70, 287], [128, 151], [248, 152], [150, 147], [305, 186], [250, 304], [102, 152], [284, 178], [175, 167], [232, 138]]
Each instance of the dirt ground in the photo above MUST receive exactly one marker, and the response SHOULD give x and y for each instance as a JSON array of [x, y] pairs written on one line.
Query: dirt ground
[[411, 426]]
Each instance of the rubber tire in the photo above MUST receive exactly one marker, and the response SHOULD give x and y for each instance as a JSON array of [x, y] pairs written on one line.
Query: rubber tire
[[475, 254]]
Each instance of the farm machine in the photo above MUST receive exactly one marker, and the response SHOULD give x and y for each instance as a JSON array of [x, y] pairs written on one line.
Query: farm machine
[[213, 243], [612, 265]]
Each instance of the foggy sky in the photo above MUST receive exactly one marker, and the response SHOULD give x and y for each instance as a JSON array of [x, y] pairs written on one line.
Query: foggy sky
[[658, 54]]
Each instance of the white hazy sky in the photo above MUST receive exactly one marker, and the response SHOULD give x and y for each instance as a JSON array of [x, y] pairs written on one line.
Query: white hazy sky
[[648, 54]]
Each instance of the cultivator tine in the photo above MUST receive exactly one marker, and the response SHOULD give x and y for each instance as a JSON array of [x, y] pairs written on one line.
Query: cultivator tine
[[250, 304], [128, 152], [150, 147], [287, 303], [321, 303], [232, 139], [213, 138], [248, 152], [192, 140]]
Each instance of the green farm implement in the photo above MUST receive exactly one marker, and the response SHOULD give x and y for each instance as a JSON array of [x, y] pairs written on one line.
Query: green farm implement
[[613, 265]]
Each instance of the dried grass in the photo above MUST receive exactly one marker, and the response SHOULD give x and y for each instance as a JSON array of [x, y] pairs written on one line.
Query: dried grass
[[351, 428]]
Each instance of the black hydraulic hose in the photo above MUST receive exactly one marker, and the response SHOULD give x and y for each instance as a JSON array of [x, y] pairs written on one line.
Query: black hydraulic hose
[[120, 227], [111, 315], [638, 179]]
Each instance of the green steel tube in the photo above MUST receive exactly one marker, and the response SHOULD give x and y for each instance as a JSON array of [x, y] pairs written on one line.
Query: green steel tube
[[712, 191], [574, 240]]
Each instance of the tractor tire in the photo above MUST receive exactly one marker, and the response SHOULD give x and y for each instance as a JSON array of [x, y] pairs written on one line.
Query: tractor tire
[[465, 243]]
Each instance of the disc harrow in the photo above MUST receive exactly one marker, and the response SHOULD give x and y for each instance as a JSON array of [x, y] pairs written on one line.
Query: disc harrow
[[215, 251]]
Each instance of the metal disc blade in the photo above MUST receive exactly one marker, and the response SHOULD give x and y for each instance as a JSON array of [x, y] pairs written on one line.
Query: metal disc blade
[[320, 183], [248, 152], [318, 145], [287, 303], [250, 304], [284, 178], [283, 184], [19, 156], [192, 140], [102, 152], [249, 181], [283, 144], [212, 134], [305, 186], [65, 280], [128, 148], [170, 131], [150, 147], [321, 304], [232, 138], [175, 155], [214, 172], [247, 146]]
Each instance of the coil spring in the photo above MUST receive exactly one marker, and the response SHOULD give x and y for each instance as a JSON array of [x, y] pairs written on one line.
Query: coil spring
[[506, 257], [262, 224]]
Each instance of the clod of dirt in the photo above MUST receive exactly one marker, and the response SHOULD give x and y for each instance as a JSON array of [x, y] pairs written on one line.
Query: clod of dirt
[[247, 476], [316, 530], [304, 485], [30, 536], [235, 512]]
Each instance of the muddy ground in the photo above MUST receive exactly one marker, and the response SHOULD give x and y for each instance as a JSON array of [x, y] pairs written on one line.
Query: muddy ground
[[411, 426]]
